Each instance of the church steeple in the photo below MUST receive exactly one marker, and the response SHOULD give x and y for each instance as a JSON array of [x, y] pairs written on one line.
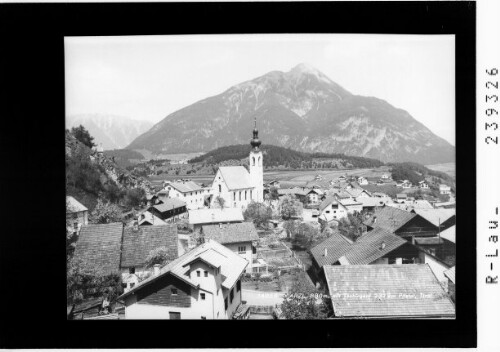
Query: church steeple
[[255, 142]]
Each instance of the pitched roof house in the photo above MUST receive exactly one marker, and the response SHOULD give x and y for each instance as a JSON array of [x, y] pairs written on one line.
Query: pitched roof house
[[204, 283], [387, 292], [438, 217], [101, 244], [76, 214], [238, 237], [200, 217], [402, 223], [169, 208]]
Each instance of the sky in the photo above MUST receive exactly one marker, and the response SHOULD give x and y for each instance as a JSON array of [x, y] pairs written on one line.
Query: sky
[[149, 77]]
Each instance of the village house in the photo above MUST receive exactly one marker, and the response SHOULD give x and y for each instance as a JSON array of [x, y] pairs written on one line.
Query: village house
[[204, 283], [352, 205], [362, 181], [313, 196], [171, 208], [375, 247], [138, 242], [369, 204], [406, 184], [188, 191], [402, 223], [401, 197], [358, 192], [386, 177], [331, 209], [201, 217], [441, 218], [423, 184], [387, 292], [237, 186], [241, 238], [444, 189], [147, 219], [77, 215]]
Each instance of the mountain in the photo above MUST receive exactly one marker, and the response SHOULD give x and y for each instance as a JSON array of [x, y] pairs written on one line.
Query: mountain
[[113, 132], [301, 109]]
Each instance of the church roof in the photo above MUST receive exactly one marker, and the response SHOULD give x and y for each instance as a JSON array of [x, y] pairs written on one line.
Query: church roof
[[235, 177]]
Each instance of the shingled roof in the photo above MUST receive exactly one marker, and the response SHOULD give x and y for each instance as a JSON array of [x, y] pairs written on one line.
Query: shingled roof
[[236, 177], [389, 218], [138, 244], [336, 246], [185, 187], [387, 291], [231, 233], [101, 245], [435, 216]]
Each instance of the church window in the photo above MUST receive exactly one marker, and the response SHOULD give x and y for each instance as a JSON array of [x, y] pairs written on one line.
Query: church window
[[250, 194], [253, 161], [240, 195], [245, 195], [234, 196], [259, 162], [220, 188]]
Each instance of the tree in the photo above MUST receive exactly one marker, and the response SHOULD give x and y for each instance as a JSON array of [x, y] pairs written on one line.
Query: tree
[[291, 227], [289, 207], [352, 226], [258, 213], [220, 201], [160, 255], [303, 301], [82, 135], [105, 213], [135, 197], [304, 236], [85, 279], [273, 194]]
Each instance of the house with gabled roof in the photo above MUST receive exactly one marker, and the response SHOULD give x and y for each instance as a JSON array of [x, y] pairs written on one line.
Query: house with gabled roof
[[358, 192], [330, 209], [77, 214], [402, 223], [241, 238], [204, 283], [148, 219], [189, 192], [211, 216], [387, 292], [101, 245], [442, 218], [171, 208]]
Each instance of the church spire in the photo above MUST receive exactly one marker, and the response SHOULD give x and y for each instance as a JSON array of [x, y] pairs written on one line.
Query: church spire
[[255, 142]]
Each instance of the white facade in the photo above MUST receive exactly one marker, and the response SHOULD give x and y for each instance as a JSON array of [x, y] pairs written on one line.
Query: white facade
[[244, 250], [256, 160], [233, 198], [193, 199], [444, 189], [334, 211]]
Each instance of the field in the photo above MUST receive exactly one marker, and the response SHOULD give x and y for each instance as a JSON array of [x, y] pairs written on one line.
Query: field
[[448, 168]]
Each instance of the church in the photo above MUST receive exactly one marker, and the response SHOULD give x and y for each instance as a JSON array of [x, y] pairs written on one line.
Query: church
[[237, 185]]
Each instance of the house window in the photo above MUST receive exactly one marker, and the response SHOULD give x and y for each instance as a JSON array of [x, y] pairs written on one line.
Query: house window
[[174, 315], [174, 291], [234, 196], [198, 273], [220, 188], [206, 273], [75, 226], [202, 296], [242, 249], [231, 295], [131, 270], [225, 303], [328, 211], [203, 318], [132, 284], [245, 195], [238, 286]]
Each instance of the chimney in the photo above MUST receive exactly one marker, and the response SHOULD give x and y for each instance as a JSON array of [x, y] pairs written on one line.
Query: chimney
[[382, 246], [156, 269], [326, 252], [136, 225]]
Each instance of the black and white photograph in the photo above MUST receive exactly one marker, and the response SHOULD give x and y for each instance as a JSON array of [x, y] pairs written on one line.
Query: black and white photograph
[[260, 176]]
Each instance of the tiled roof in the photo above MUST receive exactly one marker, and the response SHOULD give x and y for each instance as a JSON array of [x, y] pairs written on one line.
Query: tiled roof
[[151, 219], [101, 245], [215, 215], [450, 274], [356, 192], [348, 201], [435, 216], [449, 234], [169, 204], [231, 233], [232, 266], [389, 218], [373, 245], [336, 246], [138, 244], [326, 202], [185, 187], [357, 291], [73, 206], [373, 201], [236, 177]]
